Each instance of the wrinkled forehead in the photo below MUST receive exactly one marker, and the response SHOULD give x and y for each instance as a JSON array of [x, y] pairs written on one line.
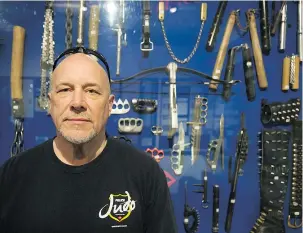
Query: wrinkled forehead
[[80, 69]]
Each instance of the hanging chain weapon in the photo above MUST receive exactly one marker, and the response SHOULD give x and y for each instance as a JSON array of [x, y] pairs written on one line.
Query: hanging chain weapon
[[223, 50], [171, 53], [47, 58], [261, 75], [16, 88], [68, 25]]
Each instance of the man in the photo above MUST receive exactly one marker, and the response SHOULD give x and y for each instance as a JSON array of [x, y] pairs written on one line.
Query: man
[[83, 181]]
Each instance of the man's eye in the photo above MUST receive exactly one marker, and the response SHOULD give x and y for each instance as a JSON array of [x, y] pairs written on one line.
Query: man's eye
[[92, 91], [63, 90]]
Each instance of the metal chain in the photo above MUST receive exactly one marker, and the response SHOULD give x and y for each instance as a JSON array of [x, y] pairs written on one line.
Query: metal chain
[[292, 70], [17, 146], [238, 23], [47, 58], [69, 26], [171, 51]]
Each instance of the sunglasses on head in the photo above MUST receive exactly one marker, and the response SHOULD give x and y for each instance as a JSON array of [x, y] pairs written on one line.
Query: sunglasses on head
[[85, 51]]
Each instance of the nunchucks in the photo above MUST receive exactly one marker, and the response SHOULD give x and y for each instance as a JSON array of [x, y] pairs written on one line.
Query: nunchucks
[[16, 88]]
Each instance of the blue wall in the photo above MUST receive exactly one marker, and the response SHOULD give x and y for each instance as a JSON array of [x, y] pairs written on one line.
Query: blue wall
[[182, 29]]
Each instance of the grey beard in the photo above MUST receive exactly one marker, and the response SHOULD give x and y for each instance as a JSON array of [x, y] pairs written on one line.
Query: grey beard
[[79, 141]]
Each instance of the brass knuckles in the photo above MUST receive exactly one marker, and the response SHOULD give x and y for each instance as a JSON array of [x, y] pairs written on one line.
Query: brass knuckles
[[204, 108], [123, 138], [175, 159], [130, 125], [145, 105], [216, 146], [120, 107], [294, 225], [157, 130], [156, 154]]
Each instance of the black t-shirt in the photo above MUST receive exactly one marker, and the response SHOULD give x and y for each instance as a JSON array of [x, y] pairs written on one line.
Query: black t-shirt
[[121, 191]]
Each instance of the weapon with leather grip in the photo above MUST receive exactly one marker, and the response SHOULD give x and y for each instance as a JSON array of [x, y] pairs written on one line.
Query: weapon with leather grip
[[94, 27], [248, 73], [212, 36], [222, 51], [261, 75], [264, 26], [229, 73], [16, 87]]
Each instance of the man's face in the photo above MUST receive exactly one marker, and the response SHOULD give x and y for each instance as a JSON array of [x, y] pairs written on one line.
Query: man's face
[[80, 100]]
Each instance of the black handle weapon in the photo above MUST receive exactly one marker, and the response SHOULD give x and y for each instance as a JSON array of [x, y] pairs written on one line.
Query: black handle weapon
[[212, 36], [215, 223], [190, 212], [239, 160], [229, 73], [248, 73], [264, 26]]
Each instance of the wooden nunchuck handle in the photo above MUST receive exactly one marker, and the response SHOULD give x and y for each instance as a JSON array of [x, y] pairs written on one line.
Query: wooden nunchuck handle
[[262, 79], [286, 73], [17, 62], [222, 51], [295, 85], [94, 27]]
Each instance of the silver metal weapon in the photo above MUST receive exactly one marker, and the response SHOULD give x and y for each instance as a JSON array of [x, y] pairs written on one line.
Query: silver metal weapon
[[215, 148], [121, 35], [300, 30], [173, 108], [81, 24], [283, 28], [177, 154], [199, 119]]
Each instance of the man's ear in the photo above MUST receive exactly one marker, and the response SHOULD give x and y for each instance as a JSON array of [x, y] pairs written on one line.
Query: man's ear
[[49, 96], [111, 99]]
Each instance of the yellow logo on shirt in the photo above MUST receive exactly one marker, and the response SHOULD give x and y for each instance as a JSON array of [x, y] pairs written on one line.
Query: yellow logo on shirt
[[119, 208]]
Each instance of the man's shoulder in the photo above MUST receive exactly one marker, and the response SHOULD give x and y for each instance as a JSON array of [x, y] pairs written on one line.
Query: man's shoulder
[[26, 157]]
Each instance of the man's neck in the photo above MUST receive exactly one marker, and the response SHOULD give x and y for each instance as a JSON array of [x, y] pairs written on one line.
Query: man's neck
[[77, 155]]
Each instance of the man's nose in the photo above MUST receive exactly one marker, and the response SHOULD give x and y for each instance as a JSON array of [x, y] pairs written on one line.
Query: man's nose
[[78, 102]]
